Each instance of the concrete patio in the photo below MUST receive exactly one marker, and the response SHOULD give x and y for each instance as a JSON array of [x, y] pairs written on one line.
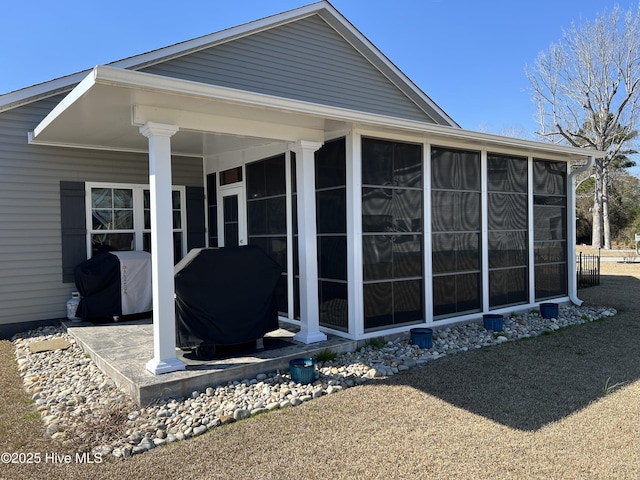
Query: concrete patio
[[121, 350]]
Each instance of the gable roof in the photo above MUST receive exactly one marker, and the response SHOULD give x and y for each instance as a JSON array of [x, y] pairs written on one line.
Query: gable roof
[[323, 9]]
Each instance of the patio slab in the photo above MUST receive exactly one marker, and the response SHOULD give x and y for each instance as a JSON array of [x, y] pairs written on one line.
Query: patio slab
[[122, 349]]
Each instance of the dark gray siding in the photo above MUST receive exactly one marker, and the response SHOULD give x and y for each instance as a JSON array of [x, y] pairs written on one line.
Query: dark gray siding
[[73, 213], [304, 60], [31, 285]]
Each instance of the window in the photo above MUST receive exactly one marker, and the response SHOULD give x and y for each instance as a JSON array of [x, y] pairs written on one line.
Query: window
[[267, 216], [112, 219], [212, 209], [120, 218], [233, 175], [178, 230], [456, 229], [392, 241], [550, 228], [330, 169], [331, 225], [508, 230]]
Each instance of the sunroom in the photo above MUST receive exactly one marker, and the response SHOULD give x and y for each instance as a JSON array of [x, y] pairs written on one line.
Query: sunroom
[[411, 228]]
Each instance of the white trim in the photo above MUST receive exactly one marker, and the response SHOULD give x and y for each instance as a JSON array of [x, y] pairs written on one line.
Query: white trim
[[290, 239], [435, 134], [427, 232], [40, 91], [571, 231], [307, 242], [530, 227], [385, 66], [79, 90], [237, 189], [164, 323], [354, 233], [484, 231], [102, 148], [448, 137], [67, 83], [138, 212], [88, 214], [223, 124], [217, 38], [205, 184], [323, 8]]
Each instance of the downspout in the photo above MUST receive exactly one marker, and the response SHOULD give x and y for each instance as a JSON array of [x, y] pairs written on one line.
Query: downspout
[[571, 230]]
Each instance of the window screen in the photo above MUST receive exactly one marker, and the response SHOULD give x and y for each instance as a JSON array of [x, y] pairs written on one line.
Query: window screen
[[212, 209], [456, 231], [508, 227], [267, 216], [331, 225], [392, 242], [550, 228]]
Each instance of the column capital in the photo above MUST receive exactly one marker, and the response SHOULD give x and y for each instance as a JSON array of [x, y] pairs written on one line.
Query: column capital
[[305, 146], [152, 129]]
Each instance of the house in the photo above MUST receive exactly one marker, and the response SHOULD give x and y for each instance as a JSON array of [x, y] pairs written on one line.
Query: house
[[296, 134]]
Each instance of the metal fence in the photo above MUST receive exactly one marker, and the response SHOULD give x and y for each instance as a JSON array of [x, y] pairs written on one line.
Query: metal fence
[[588, 270]]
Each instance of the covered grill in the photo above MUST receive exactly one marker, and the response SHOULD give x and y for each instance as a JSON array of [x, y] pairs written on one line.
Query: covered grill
[[114, 284], [225, 297]]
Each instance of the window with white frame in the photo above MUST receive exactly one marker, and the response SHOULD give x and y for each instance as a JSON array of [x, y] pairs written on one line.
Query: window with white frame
[[119, 218]]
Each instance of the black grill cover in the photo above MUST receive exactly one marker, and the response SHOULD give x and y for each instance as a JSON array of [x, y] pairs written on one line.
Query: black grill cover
[[225, 296], [98, 282]]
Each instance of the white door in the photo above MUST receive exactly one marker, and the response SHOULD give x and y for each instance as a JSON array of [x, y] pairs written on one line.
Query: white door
[[232, 215]]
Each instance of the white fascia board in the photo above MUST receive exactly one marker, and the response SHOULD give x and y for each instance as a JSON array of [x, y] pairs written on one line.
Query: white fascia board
[[39, 91], [326, 11], [216, 38], [323, 8], [154, 83], [367, 49], [489, 140], [146, 81], [64, 84], [80, 89]]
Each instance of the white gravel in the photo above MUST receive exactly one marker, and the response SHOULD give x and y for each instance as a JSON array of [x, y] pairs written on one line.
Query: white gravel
[[78, 402]]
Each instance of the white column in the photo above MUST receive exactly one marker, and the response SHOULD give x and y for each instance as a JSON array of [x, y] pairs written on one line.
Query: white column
[[354, 235], [164, 315], [571, 229], [307, 242], [484, 229]]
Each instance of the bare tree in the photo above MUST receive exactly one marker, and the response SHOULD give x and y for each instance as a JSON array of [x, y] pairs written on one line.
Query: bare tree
[[586, 88]]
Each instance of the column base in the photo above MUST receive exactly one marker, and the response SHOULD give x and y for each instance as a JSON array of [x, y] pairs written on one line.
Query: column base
[[158, 367], [310, 337]]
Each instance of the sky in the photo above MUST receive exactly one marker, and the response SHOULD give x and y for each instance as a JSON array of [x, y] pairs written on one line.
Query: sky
[[467, 56]]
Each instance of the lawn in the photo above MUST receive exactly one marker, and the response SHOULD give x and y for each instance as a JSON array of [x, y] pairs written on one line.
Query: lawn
[[561, 406]]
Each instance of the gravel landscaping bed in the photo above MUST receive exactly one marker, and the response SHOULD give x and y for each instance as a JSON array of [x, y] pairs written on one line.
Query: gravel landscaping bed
[[83, 409]]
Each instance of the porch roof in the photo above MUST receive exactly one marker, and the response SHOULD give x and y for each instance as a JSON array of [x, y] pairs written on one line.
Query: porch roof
[[105, 110]]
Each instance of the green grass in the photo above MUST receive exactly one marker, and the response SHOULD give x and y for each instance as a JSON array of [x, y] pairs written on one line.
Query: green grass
[[326, 355], [375, 343], [609, 388]]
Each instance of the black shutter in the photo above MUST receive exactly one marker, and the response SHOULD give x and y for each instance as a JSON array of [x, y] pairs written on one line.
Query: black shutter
[[73, 223], [195, 218]]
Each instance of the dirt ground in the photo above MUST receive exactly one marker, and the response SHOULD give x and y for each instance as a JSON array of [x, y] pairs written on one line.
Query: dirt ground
[[560, 406]]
